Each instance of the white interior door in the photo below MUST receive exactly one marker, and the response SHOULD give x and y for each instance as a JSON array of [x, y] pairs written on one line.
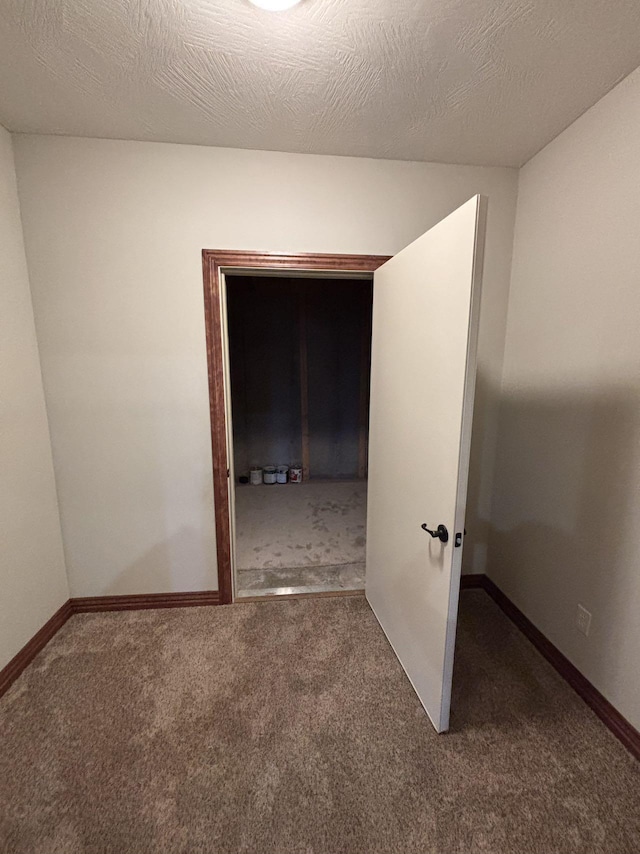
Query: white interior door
[[426, 303]]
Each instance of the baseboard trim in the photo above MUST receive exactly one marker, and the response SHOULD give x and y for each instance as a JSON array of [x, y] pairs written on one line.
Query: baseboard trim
[[14, 668], [88, 604], [470, 581], [608, 714], [144, 601]]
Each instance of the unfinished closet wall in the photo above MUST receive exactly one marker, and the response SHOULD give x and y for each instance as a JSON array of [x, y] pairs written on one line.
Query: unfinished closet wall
[[299, 350], [338, 326], [265, 372]]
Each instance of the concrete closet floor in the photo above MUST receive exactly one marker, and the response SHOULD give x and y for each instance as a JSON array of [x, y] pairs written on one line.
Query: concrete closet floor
[[300, 537]]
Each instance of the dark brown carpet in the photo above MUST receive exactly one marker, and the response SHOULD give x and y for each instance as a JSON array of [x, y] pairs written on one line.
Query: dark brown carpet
[[290, 727]]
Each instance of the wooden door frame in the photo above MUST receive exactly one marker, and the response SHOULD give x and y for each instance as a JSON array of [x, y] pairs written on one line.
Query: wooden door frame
[[215, 263]]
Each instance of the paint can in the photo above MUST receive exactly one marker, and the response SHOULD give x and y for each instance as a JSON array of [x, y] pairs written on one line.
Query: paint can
[[295, 474], [255, 475], [281, 474], [269, 474]]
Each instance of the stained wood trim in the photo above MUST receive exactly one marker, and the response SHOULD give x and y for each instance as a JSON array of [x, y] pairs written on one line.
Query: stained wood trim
[[213, 321], [304, 381], [469, 581], [608, 714], [301, 262], [14, 668], [215, 261], [144, 601]]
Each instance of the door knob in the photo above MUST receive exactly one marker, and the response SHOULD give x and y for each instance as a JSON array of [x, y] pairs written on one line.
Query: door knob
[[440, 532]]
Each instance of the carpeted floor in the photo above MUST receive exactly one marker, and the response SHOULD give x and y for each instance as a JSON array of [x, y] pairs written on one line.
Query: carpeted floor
[[289, 726]]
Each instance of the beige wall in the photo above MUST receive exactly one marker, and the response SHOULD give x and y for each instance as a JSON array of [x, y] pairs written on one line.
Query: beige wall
[[567, 492], [32, 575], [114, 232]]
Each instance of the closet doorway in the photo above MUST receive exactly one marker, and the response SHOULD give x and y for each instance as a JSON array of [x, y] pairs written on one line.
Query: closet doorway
[[289, 397], [299, 362]]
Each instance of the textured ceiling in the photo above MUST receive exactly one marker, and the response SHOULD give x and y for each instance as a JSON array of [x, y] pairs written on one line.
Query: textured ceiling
[[455, 81]]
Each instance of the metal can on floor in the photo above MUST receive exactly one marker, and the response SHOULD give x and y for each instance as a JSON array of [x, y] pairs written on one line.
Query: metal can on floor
[[269, 474], [295, 474], [255, 475], [282, 473]]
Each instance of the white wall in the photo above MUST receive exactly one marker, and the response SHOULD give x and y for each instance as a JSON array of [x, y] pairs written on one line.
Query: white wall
[[567, 490], [114, 233], [32, 575]]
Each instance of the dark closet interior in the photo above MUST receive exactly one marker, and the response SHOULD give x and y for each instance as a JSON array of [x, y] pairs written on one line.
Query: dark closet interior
[[299, 353]]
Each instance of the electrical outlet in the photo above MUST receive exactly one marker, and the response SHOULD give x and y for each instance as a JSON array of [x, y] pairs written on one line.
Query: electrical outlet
[[583, 620]]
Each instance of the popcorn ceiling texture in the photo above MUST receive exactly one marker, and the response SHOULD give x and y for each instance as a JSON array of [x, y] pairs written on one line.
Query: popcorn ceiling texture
[[455, 81]]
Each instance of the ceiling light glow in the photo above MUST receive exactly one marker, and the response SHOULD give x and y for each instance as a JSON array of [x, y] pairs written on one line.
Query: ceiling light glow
[[275, 5]]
